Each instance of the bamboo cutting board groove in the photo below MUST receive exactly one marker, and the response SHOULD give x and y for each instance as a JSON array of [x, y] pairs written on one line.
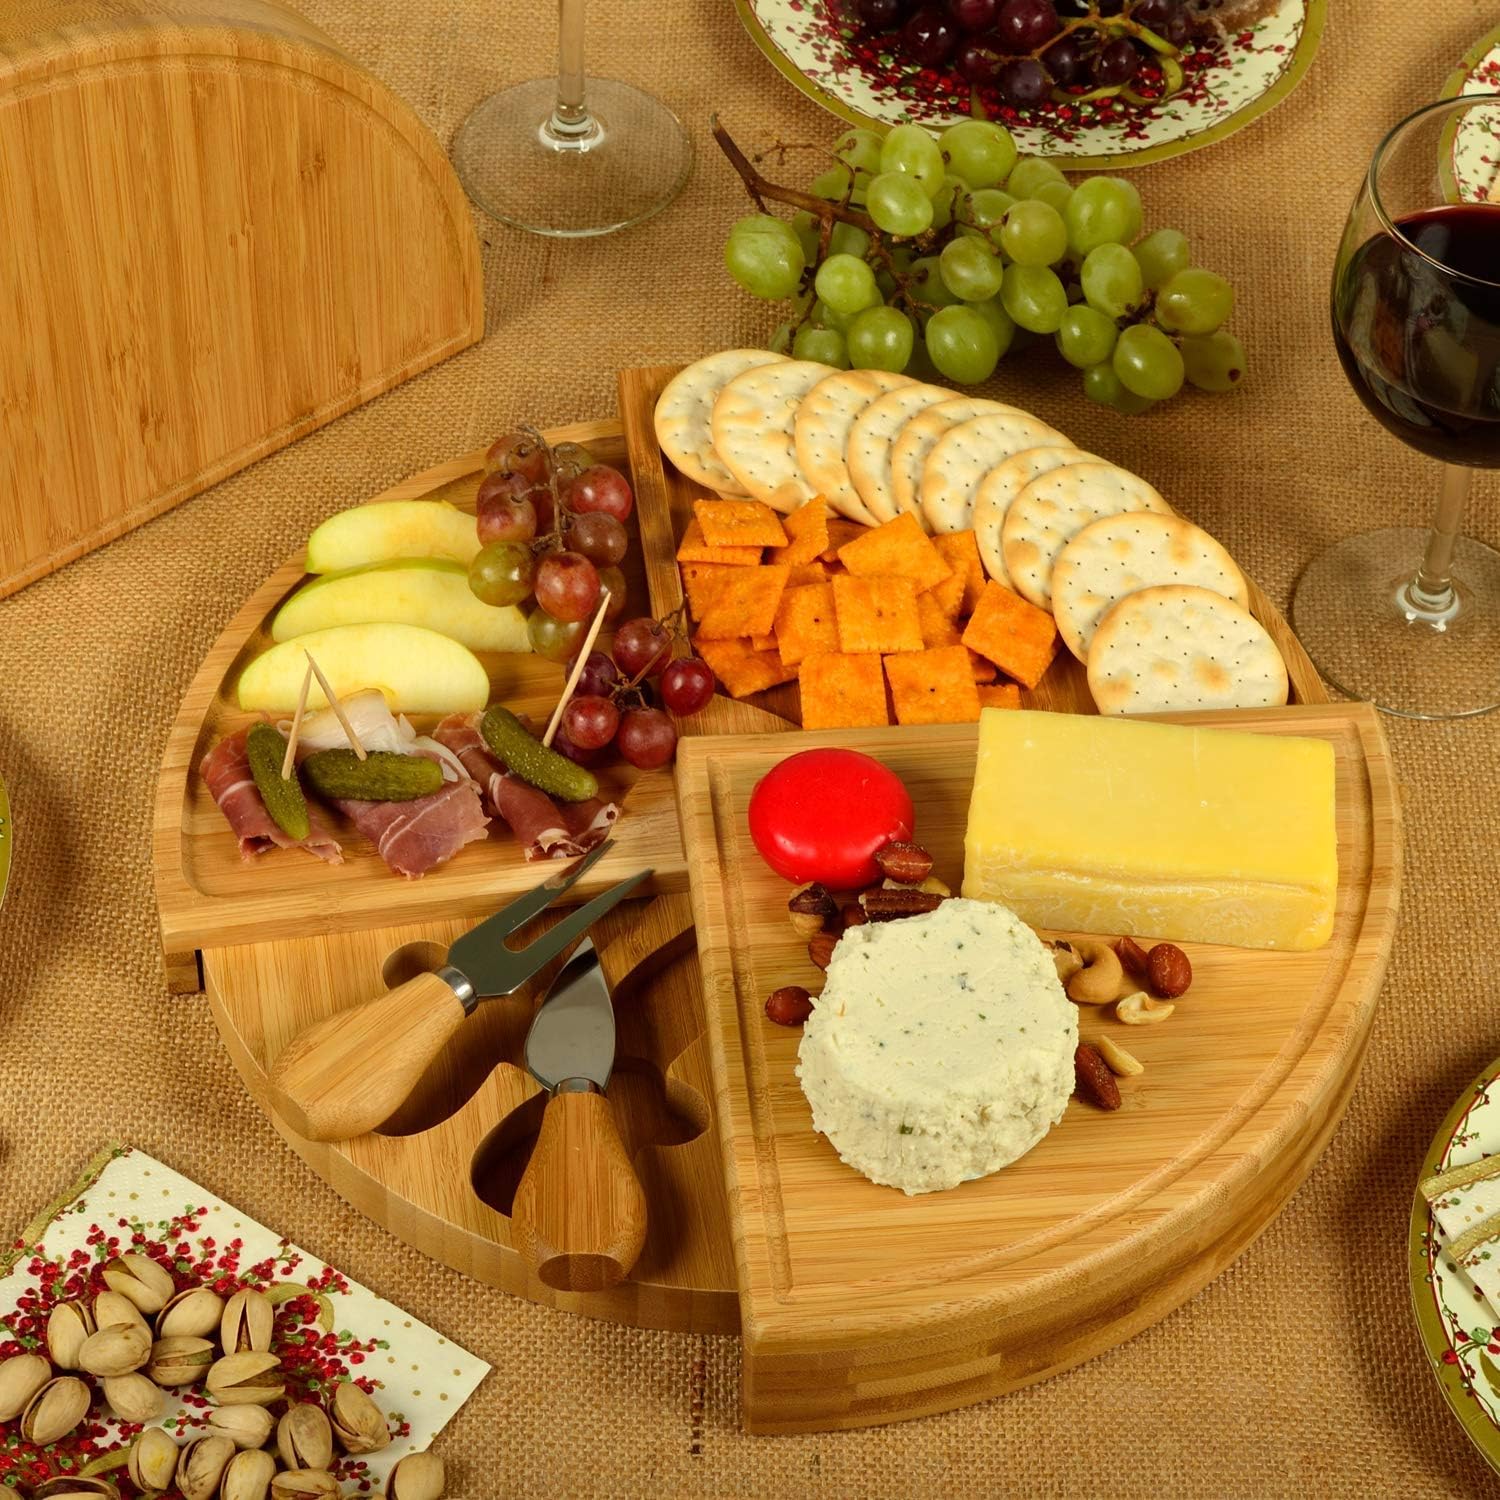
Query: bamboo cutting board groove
[[246, 235]]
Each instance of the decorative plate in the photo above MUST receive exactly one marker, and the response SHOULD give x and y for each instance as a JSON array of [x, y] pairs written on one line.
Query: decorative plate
[[1460, 1331], [1228, 85], [1479, 72]]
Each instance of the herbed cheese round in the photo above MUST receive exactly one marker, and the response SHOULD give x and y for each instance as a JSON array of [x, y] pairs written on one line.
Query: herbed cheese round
[[941, 1048]]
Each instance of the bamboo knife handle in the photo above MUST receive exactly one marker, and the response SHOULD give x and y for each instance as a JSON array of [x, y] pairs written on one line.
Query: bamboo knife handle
[[347, 1074], [579, 1217]]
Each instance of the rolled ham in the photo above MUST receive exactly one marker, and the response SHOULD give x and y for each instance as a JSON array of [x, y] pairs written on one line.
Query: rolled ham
[[417, 836], [226, 773]]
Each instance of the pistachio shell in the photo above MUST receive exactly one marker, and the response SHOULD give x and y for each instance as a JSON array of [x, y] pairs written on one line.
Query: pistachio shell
[[68, 1325], [201, 1465], [244, 1426], [247, 1323], [153, 1460], [21, 1377], [139, 1278], [180, 1361], [134, 1397], [304, 1438], [358, 1423], [55, 1410], [248, 1476], [304, 1484], [77, 1487], [254, 1378], [193, 1314], [419, 1476], [115, 1351], [111, 1310]]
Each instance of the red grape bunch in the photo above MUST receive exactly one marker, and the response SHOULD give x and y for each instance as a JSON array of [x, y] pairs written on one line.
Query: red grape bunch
[[552, 524]]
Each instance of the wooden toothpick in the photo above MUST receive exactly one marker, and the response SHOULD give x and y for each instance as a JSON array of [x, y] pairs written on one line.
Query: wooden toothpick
[[291, 739], [577, 672], [336, 706]]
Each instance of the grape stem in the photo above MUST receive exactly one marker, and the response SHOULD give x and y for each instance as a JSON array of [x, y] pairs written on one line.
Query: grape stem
[[760, 188]]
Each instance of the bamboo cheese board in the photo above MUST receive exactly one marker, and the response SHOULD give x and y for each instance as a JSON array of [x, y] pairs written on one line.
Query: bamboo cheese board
[[893, 1307]]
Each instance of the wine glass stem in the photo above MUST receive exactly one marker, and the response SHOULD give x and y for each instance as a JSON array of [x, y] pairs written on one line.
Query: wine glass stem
[[571, 116], [1431, 596]]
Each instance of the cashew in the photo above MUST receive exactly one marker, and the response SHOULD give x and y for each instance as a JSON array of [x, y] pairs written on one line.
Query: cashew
[[932, 885], [1065, 956], [1098, 981], [1120, 1061], [1140, 1009]]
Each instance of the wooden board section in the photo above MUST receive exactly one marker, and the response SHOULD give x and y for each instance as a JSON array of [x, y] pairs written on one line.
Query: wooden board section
[[246, 235], [860, 1305]]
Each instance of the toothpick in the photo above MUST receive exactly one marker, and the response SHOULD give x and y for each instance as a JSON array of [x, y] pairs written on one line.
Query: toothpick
[[577, 672], [291, 739], [336, 706]]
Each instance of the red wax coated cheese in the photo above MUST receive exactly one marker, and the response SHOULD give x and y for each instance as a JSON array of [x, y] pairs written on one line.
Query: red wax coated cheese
[[822, 814]]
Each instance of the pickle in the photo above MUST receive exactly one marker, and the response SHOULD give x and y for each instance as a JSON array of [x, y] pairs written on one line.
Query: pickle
[[382, 776], [265, 747], [532, 761]]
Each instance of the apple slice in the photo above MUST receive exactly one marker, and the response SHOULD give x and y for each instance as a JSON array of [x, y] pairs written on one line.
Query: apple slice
[[390, 529], [419, 671], [427, 591]]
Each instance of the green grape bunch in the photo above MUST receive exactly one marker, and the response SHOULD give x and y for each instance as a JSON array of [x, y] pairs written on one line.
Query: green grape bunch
[[943, 253]]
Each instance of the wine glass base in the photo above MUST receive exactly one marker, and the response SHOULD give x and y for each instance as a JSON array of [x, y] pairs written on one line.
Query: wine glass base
[[626, 160], [1353, 613]]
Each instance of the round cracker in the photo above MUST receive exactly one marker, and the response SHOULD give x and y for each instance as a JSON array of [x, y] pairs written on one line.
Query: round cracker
[[821, 433], [999, 488], [916, 440], [685, 408], [874, 432], [753, 421], [1177, 647], [1122, 554], [964, 454], [1053, 508]]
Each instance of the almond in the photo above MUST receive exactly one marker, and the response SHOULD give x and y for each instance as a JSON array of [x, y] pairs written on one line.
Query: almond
[[820, 948], [854, 915], [1132, 958], [1168, 970], [1095, 1083], [791, 1005], [888, 905], [904, 862]]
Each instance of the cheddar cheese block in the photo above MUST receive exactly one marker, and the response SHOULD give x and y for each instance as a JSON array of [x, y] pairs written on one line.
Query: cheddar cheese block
[[1156, 830]]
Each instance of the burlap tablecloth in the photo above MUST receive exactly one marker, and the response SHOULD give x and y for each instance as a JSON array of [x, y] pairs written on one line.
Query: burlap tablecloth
[[1299, 1370]]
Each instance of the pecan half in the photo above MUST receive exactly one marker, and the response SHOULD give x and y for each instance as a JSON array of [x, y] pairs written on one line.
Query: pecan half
[[888, 903]]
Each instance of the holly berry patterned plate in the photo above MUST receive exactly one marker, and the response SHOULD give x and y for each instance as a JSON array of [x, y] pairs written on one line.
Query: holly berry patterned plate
[[1479, 72], [862, 79]]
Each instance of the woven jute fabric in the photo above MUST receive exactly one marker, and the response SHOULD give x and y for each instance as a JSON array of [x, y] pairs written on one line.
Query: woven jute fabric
[[1298, 1371]]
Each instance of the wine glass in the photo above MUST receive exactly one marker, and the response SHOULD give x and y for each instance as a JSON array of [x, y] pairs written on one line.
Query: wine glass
[[1405, 618], [561, 157]]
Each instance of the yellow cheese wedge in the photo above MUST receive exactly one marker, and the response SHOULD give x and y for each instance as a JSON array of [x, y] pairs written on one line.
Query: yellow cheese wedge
[[1155, 830]]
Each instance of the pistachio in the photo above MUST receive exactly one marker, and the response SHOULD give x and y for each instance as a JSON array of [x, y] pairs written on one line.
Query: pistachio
[[77, 1487], [304, 1484], [248, 1476], [419, 1476], [153, 1460], [115, 1351], [134, 1397], [252, 1378], [244, 1426], [68, 1325], [201, 1465], [139, 1278], [193, 1314], [179, 1361], [304, 1438], [21, 1377], [111, 1310], [246, 1324], [357, 1422], [56, 1409]]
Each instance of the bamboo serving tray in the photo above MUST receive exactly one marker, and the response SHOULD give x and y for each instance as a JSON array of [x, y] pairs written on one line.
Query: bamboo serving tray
[[857, 1305]]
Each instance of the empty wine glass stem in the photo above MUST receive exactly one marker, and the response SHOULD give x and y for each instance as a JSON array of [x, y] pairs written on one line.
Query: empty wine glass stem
[[570, 119], [1431, 595]]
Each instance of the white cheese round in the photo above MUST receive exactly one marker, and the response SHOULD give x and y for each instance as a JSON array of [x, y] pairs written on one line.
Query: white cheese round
[[941, 1048]]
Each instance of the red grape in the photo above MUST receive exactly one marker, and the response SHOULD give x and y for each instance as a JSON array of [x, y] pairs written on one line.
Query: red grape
[[1023, 25], [613, 580], [575, 753], [1151, 12], [599, 676], [879, 15], [642, 646], [647, 738], [505, 518], [929, 36], [1065, 61], [687, 685], [515, 453], [571, 459], [973, 15], [1116, 63], [553, 639], [978, 63], [501, 573], [590, 722], [599, 537], [567, 586], [599, 488], [1024, 81]]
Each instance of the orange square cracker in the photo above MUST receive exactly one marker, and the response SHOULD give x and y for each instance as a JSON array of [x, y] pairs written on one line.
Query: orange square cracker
[[695, 549], [899, 549], [807, 526], [983, 669], [960, 550], [1017, 636], [1000, 695], [739, 523], [701, 581], [805, 622], [939, 628], [765, 642], [840, 533], [808, 572], [933, 687], [877, 614], [842, 692], [744, 603], [740, 669]]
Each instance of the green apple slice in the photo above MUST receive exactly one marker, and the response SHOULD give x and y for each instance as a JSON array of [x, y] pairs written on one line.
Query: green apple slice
[[418, 670], [389, 529], [427, 591]]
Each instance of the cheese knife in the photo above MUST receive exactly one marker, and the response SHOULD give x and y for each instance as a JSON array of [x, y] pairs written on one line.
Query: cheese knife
[[579, 1214]]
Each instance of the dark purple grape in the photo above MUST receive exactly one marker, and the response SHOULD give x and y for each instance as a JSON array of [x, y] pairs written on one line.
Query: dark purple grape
[[973, 15], [1064, 61], [1152, 13], [880, 15], [978, 63], [599, 675], [1024, 25], [1116, 63], [1178, 29], [1024, 81], [1111, 7], [575, 753], [929, 37]]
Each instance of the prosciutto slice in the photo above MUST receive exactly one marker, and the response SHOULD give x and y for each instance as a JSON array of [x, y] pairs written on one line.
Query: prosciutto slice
[[226, 773], [545, 829], [415, 837]]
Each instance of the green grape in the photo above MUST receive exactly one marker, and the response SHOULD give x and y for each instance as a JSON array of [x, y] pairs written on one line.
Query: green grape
[[859, 149], [978, 151], [1194, 301], [846, 285], [1053, 194], [1086, 337], [847, 239], [1029, 173], [1000, 322], [1101, 384], [962, 345], [825, 345], [927, 284], [1034, 234], [823, 316], [1111, 280], [909, 149], [764, 256], [970, 271], [1162, 254], [1214, 362], [1034, 298], [1103, 211], [881, 338], [898, 205], [1148, 363], [834, 184], [781, 339], [805, 227], [983, 213], [948, 202]]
